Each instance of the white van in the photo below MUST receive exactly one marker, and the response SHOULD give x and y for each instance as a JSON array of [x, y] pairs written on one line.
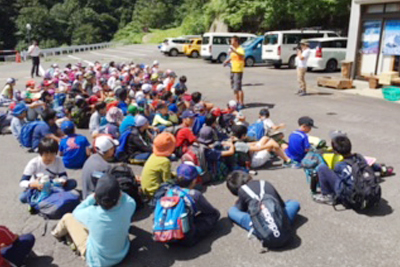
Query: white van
[[279, 47], [215, 45], [327, 53]]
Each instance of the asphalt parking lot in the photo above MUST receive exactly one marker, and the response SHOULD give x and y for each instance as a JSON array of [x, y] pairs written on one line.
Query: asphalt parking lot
[[324, 237]]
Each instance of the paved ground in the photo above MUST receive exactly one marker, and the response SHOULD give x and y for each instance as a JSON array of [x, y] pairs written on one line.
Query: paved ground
[[324, 237]]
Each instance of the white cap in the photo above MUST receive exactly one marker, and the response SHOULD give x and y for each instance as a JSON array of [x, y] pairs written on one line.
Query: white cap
[[10, 80], [232, 104], [131, 94], [155, 62], [160, 87], [104, 143], [146, 88], [139, 94]]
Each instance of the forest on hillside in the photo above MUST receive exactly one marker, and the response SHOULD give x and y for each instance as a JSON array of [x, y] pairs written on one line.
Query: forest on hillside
[[64, 22]]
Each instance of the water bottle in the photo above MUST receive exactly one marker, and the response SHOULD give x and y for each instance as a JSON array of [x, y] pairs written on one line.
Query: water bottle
[[45, 181], [185, 223]]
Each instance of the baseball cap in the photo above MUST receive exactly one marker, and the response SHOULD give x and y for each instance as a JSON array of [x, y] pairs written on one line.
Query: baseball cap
[[232, 104], [11, 80], [67, 125], [160, 87], [307, 121], [31, 83], [132, 109], [206, 135], [188, 114], [155, 62], [199, 107], [164, 144], [104, 143], [139, 94], [140, 121], [337, 133], [19, 109], [216, 112], [188, 172], [173, 108], [146, 88], [107, 192]]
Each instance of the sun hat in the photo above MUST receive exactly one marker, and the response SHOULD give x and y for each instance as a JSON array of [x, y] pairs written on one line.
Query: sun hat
[[155, 62], [140, 121], [164, 144], [104, 143], [107, 192], [206, 135], [146, 88], [114, 115], [19, 109]]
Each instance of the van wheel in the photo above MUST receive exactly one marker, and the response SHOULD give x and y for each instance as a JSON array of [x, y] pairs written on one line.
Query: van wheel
[[250, 62], [292, 62], [173, 53], [331, 66], [222, 58], [277, 66], [194, 54]]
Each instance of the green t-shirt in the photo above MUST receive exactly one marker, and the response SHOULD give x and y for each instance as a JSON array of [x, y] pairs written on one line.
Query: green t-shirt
[[156, 171]]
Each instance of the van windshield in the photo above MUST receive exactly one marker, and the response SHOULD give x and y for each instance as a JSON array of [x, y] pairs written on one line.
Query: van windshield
[[206, 40], [314, 44], [271, 39]]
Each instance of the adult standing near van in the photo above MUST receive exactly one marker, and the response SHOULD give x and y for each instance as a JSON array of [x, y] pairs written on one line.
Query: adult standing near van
[[302, 57], [236, 59], [34, 52]]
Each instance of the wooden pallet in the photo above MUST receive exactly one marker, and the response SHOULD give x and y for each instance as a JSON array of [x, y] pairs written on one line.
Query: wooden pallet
[[335, 82]]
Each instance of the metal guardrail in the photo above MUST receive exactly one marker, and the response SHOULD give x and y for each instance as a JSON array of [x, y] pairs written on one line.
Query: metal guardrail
[[61, 50]]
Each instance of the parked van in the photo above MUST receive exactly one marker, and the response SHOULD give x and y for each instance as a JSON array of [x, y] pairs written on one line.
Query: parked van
[[280, 46], [327, 53], [193, 49], [253, 51], [215, 46]]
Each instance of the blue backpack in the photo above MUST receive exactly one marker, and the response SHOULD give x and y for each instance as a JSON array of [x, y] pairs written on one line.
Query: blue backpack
[[26, 135], [120, 151], [270, 222], [173, 216], [256, 130]]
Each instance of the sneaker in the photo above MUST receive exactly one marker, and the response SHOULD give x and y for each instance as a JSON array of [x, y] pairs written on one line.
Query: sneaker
[[291, 165], [303, 93], [299, 92], [323, 199], [387, 171], [253, 172]]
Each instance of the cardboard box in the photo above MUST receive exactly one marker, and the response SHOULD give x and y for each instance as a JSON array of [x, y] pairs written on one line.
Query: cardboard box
[[336, 83]]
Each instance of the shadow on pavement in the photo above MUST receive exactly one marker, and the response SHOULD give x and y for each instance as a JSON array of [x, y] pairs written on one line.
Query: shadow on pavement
[[381, 210], [145, 252], [319, 93], [252, 84], [45, 261], [259, 105]]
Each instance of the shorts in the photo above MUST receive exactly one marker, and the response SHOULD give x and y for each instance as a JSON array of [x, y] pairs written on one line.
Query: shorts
[[236, 81], [259, 158]]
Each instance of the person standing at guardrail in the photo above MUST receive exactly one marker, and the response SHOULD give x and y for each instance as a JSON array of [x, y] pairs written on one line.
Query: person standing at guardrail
[[34, 52], [302, 57], [237, 66]]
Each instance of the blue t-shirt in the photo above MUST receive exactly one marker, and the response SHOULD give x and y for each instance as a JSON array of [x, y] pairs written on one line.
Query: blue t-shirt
[[41, 131], [108, 241], [128, 122], [123, 106], [73, 148], [298, 145], [198, 124]]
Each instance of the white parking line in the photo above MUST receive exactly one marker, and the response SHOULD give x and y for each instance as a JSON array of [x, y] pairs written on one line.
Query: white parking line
[[108, 55], [80, 59], [128, 52]]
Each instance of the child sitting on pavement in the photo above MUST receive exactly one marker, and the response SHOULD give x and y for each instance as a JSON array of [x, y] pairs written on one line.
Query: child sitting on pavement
[[97, 162], [74, 148], [240, 212], [161, 119], [46, 163], [157, 169], [18, 120], [114, 118], [269, 126], [95, 118], [99, 226], [298, 140], [14, 249], [48, 129]]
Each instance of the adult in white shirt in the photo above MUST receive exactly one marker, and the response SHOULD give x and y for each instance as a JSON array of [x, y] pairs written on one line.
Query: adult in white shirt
[[302, 57], [34, 52]]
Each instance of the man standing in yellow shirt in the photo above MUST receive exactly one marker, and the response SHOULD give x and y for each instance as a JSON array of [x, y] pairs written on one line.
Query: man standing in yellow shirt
[[237, 66]]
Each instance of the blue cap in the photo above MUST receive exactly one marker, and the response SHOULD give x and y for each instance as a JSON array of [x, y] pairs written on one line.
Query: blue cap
[[173, 108], [19, 109], [188, 172], [188, 114], [67, 125]]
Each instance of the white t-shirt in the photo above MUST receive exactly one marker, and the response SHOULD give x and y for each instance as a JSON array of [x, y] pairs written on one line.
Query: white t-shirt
[[36, 166], [34, 51], [112, 82], [303, 63], [94, 123], [268, 124]]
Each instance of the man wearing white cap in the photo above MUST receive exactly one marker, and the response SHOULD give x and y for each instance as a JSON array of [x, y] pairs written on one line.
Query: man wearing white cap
[[156, 64], [98, 162]]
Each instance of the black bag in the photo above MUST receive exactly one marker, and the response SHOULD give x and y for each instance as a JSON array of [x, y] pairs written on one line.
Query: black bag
[[270, 221], [127, 182], [361, 190]]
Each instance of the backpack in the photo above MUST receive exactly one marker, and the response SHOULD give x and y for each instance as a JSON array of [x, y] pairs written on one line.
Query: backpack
[[127, 182], [270, 222], [80, 117], [256, 130], [173, 216], [196, 155], [26, 135], [5, 121], [361, 190], [120, 154]]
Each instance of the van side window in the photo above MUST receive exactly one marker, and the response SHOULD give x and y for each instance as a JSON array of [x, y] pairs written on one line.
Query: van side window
[[219, 40], [313, 35], [291, 38], [330, 44], [333, 35], [242, 40]]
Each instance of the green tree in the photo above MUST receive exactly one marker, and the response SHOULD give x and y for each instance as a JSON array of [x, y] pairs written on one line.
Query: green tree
[[8, 14]]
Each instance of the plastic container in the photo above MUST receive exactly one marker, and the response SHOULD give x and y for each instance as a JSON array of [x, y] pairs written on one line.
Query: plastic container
[[391, 93]]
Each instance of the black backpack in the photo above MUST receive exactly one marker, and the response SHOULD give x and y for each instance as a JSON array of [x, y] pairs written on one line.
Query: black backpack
[[270, 221], [362, 190], [127, 182]]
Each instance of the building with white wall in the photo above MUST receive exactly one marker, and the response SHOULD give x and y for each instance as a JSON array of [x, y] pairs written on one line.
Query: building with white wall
[[374, 37]]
